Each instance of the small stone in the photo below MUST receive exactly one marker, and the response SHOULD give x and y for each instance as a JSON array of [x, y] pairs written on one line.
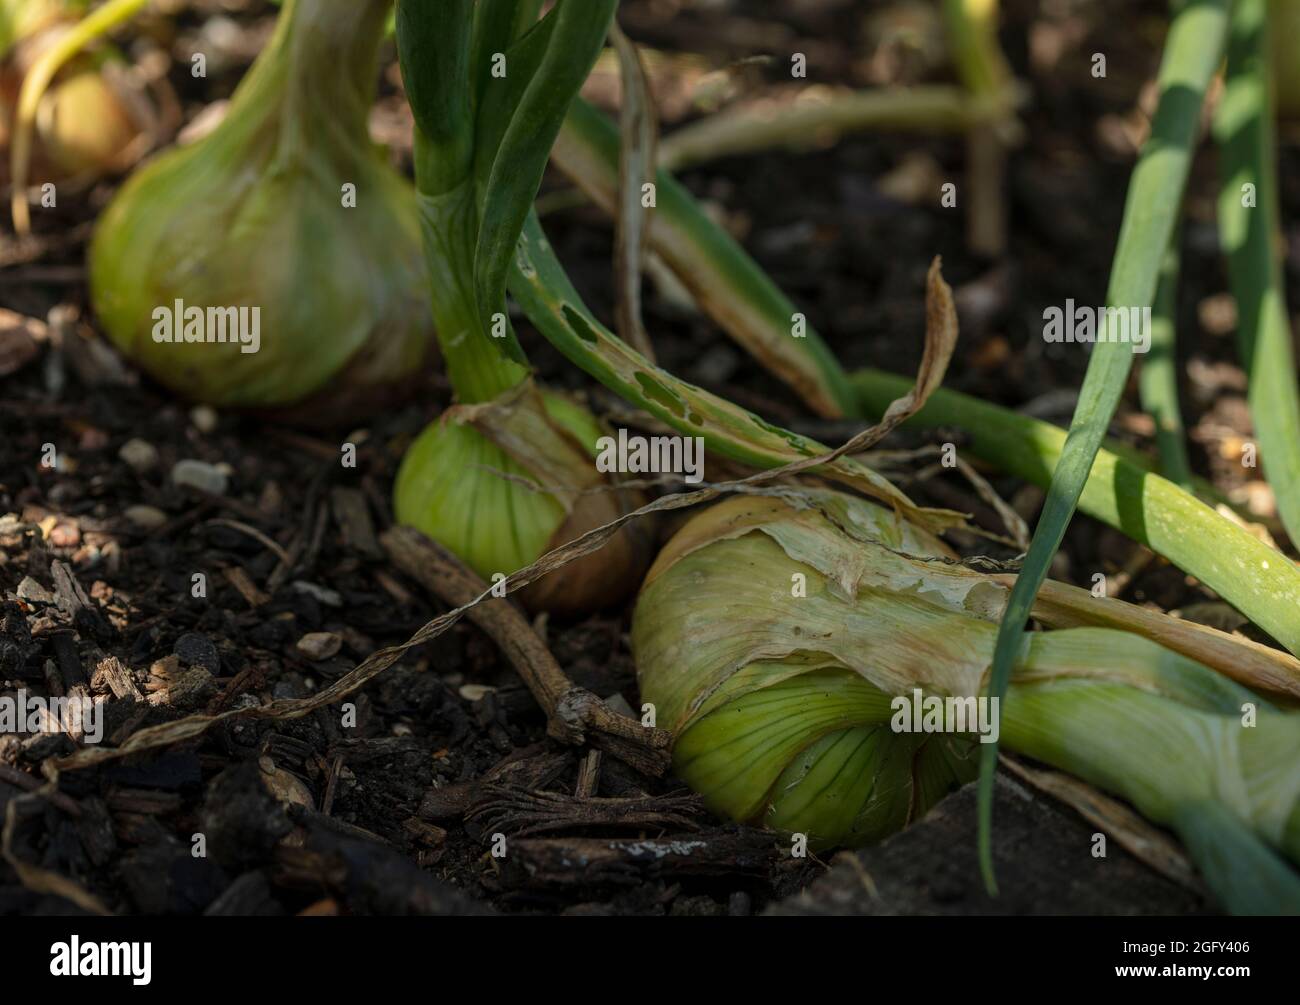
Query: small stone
[[200, 475], [320, 645], [196, 649], [285, 786], [204, 418], [140, 456], [330, 598], [33, 592], [475, 692], [145, 517], [65, 535]]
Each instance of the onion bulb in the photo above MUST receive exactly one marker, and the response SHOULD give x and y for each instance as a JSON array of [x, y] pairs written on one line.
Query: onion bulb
[[504, 481], [786, 641], [286, 209], [94, 117]]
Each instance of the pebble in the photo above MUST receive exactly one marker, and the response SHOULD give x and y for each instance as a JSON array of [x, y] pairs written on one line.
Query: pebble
[[320, 645], [204, 418], [200, 475], [330, 598], [65, 535], [145, 517], [140, 456], [475, 692], [198, 650], [33, 592], [284, 785]]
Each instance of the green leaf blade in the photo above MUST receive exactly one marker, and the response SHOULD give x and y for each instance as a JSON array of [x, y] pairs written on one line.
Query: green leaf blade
[[1244, 129], [433, 46], [1192, 54], [520, 161]]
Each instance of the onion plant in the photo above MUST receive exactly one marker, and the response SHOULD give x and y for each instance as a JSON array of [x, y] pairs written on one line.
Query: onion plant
[[776, 638], [480, 154], [1264, 584], [82, 125], [780, 697], [1123, 489], [509, 472], [285, 216]]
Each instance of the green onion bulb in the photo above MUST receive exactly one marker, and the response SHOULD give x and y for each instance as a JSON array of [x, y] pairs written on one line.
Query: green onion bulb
[[773, 635], [502, 482], [285, 208]]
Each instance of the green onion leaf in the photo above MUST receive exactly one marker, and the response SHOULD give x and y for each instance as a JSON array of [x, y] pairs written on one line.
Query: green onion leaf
[[640, 137], [520, 161], [1158, 377], [540, 285], [1192, 55], [729, 285], [1244, 128], [433, 44]]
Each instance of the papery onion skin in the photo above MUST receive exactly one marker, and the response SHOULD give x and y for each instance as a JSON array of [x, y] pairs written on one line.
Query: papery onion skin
[[254, 215], [781, 703], [796, 740], [467, 493]]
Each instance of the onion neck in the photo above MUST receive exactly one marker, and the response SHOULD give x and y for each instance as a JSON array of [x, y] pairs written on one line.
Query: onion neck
[[476, 365], [323, 59]]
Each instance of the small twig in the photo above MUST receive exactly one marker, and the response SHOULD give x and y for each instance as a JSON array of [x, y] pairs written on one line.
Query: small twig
[[1010, 518], [571, 711], [331, 784], [588, 775], [255, 534], [27, 783]]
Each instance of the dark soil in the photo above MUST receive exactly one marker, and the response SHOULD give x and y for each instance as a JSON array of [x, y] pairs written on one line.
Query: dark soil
[[395, 813]]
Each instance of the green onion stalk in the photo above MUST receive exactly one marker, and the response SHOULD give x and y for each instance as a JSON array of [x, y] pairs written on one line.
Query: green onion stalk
[[509, 472], [1250, 232], [822, 664], [275, 265], [1122, 489]]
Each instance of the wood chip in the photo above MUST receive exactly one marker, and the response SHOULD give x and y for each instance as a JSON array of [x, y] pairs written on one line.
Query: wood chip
[[242, 582], [111, 673], [588, 775]]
